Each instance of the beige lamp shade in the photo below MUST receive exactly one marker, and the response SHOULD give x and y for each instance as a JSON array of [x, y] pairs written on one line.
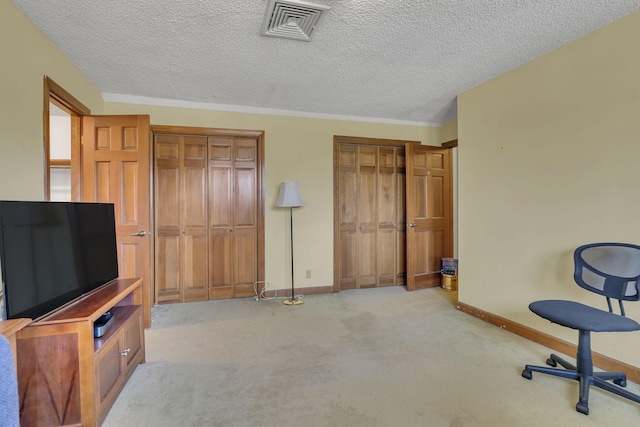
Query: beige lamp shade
[[289, 196]]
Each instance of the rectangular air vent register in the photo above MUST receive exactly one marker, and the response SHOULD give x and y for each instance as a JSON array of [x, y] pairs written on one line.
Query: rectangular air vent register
[[292, 19]]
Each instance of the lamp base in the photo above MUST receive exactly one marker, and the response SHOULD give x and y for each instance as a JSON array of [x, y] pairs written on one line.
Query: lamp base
[[293, 301]]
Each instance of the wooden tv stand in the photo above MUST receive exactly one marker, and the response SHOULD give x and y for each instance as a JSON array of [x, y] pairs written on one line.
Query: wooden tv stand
[[68, 377]]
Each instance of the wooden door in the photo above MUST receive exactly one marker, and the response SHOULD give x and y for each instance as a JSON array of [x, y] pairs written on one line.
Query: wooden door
[[390, 217], [181, 218], [429, 214], [116, 161], [346, 216], [234, 206], [370, 216], [367, 217]]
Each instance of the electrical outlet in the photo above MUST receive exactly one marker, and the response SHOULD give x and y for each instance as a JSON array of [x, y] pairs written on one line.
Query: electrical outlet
[[308, 274]]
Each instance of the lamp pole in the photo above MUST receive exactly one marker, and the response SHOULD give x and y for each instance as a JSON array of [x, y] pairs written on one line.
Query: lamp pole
[[293, 297], [289, 197]]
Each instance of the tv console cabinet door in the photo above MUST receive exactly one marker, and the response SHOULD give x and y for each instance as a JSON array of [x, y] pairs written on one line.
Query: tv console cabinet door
[[48, 363], [133, 341], [108, 369]]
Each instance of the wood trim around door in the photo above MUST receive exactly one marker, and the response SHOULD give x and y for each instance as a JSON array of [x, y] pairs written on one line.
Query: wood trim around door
[[54, 93], [450, 144], [240, 133]]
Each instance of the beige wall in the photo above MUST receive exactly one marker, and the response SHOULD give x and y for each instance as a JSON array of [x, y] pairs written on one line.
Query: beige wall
[[26, 56], [548, 155], [548, 160], [449, 131], [296, 149]]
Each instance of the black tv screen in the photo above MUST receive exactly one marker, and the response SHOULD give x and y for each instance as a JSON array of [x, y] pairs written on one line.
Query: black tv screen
[[53, 252]]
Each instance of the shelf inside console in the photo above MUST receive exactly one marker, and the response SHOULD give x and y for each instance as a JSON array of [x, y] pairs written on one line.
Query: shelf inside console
[[120, 316]]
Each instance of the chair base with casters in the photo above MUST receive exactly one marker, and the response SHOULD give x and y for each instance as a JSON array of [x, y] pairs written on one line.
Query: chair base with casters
[[585, 319], [611, 270]]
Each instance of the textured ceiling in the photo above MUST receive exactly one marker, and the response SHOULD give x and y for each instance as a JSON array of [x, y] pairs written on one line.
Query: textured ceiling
[[381, 60]]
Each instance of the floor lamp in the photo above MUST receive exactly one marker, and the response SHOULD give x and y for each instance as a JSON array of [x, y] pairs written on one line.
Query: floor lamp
[[289, 197]]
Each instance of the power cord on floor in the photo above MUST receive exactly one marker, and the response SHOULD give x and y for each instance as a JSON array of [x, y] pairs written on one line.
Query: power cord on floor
[[262, 294]]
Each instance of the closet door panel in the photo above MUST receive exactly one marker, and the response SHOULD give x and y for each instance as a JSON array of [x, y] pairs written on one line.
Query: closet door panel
[[245, 226], [245, 262], [367, 217], [167, 219], [194, 260], [401, 222], [348, 216], [168, 268], [245, 214], [221, 232], [195, 266], [233, 221], [386, 234]]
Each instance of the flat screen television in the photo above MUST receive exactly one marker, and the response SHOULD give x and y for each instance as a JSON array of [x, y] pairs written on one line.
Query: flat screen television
[[53, 252]]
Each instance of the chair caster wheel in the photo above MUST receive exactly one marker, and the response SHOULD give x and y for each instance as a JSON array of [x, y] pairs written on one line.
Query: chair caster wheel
[[582, 408], [526, 374], [621, 382], [552, 362]]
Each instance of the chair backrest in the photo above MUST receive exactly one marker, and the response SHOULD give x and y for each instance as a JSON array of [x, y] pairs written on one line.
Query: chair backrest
[[609, 269]]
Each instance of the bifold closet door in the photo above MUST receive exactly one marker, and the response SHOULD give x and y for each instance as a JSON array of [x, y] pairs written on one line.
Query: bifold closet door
[[233, 216], [391, 232], [371, 216], [181, 218]]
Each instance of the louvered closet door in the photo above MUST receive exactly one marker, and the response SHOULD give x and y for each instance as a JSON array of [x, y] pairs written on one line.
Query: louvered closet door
[[371, 216], [181, 218], [233, 216]]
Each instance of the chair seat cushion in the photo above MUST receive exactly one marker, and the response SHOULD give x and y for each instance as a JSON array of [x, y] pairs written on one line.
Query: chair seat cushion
[[582, 317]]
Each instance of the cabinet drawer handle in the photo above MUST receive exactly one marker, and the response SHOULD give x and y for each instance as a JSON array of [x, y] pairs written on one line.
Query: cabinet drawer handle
[[125, 352]]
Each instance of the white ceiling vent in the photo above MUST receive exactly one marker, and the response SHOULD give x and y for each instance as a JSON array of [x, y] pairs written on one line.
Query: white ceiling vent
[[292, 19]]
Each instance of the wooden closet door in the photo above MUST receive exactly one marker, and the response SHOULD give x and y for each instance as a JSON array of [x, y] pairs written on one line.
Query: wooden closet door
[[194, 258], [167, 212], [401, 220], [387, 248], [367, 217], [181, 215], [233, 216], [370, 216], [347, 215]]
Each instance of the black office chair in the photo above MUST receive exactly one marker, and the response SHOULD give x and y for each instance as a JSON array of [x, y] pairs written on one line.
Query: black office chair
[[608, 269]]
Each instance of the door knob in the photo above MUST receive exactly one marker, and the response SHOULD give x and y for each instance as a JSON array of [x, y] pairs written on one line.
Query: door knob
[[411, 225], [140, 233]]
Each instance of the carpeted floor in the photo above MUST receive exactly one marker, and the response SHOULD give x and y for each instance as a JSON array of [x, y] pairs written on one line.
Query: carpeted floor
[[374, 357]]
